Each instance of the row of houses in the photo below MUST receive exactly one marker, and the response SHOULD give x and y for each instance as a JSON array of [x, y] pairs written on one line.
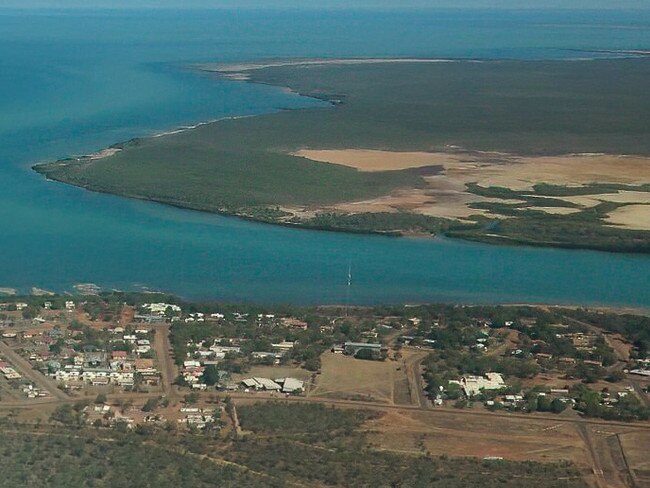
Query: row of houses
[[94, 377], [72, 375], [8, 372]]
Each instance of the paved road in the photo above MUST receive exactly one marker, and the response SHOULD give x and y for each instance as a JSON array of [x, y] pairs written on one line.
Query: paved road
[[25, 368]]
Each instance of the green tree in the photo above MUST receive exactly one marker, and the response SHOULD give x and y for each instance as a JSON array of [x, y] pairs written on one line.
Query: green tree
[[64, 414], [192, 398], [210, 375], [150, 405]]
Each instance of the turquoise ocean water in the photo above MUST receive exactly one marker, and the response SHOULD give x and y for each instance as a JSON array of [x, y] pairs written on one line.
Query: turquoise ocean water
[[74, 82]]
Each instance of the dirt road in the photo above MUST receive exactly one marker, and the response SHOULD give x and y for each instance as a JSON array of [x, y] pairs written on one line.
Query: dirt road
[[416, 384], [166, 365], [25, 368]]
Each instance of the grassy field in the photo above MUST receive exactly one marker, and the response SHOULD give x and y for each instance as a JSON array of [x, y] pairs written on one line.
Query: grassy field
[[248, 167], [344, 377]]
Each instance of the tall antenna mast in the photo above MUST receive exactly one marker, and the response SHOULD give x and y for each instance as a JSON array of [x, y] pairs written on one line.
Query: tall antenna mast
[[347, 291]]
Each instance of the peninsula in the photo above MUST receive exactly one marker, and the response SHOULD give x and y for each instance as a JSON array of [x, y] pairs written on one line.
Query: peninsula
[[549, 153]]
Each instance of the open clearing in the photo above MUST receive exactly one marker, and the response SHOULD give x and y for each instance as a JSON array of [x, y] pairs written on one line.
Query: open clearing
[[636, 445], [631, 216], [346, 378], [371, 160], [460, 435], [447, 195], [595, 451]]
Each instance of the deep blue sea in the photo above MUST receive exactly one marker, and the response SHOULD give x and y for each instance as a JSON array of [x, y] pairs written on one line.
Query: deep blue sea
[[74, 82]]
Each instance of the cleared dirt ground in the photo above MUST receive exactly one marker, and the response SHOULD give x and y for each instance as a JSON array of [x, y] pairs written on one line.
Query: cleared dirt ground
[[596, 451], [344, 377], [447, 196], [631, 217], [636, 446]]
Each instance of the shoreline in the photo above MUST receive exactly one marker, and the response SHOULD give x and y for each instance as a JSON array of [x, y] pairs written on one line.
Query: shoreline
[[487, 239], [238, 69], [119, 146], [76, 290]]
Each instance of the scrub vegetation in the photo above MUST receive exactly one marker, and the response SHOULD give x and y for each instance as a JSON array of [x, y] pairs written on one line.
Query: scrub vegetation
[[284, 450]]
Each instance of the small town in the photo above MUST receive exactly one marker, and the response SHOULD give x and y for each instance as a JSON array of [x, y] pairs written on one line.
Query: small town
[[130, 362]]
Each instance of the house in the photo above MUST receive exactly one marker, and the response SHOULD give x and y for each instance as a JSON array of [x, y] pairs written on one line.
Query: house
[[559, 391], [94, 359], [10, 373], [354, 347], [291, 385], [593, 362], [265, 354], [251, 383], [268, 384], [122, 378], [283, 346], [161, 308], [145, 367], [149, 318], [640, 372], [100, 381], [221, 351], [294, 323], [96, 376]]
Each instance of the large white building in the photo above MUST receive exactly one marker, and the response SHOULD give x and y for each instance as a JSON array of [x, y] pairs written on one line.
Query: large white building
[[161, 308], [472, 385]]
